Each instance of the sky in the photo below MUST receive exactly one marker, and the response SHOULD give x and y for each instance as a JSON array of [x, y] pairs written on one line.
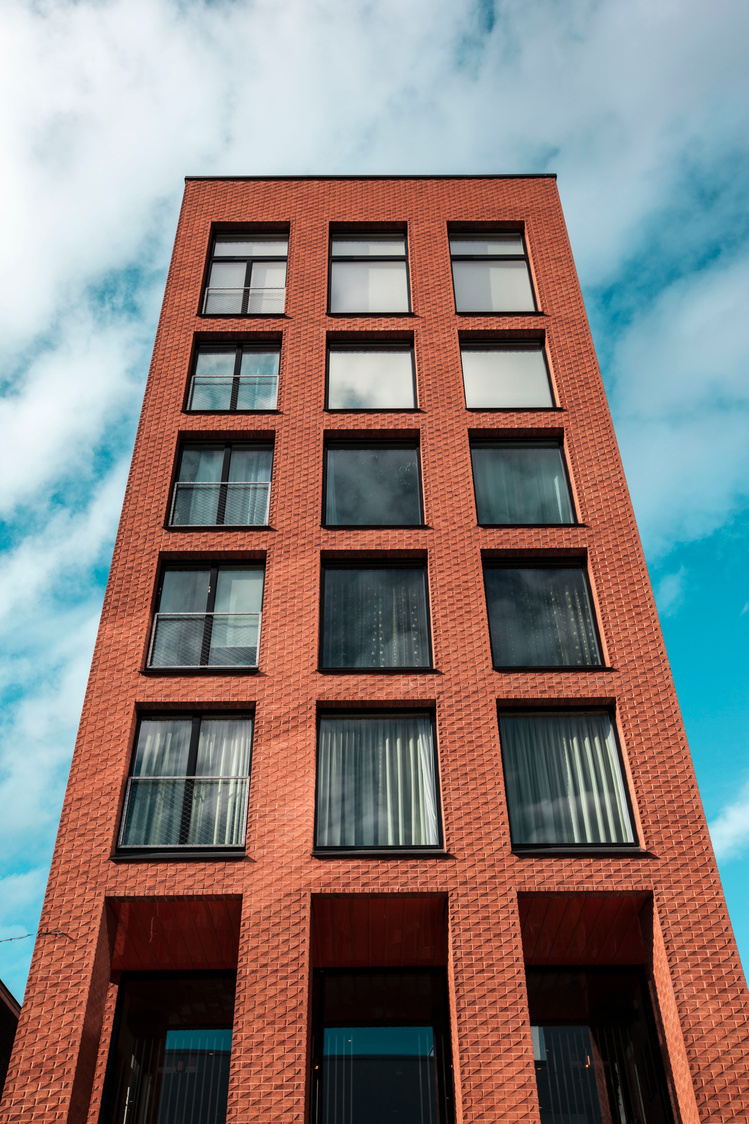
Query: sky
[[641, 107]]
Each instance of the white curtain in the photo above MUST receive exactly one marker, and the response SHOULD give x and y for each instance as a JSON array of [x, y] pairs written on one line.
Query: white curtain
[[376, 783], [563, 778], [219, 806]]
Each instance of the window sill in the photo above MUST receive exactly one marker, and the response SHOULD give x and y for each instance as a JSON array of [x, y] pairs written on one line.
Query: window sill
[[379, 671], [242, 315], [374, 410], [370, 315], [375, 527], [188, 854], [218, 527], [505, 312], [199, 671], [516, 409], [381, 853], [553, 850], [524, 668], [230, 413], [529, 526]]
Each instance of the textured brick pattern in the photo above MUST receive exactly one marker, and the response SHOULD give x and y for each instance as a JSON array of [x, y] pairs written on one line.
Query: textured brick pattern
[[66, 1023]]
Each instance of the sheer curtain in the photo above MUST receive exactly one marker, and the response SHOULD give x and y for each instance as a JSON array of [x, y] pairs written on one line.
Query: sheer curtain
[[563, 778], [154, 812], [375, 618], [520, 484], [540, 617], [249, 486], [376, 783], [219, 806]]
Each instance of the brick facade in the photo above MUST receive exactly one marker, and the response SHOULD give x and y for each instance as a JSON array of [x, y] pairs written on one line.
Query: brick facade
[[58, 1066]]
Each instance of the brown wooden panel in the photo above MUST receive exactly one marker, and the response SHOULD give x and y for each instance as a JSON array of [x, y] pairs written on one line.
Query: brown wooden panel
[[575, 929], [161, 934], [379, 930]]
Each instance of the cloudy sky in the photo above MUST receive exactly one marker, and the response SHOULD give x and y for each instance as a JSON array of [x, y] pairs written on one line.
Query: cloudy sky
[[640, 106]]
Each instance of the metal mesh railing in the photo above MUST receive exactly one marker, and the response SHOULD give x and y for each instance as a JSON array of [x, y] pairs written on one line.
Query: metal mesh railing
[[250, 392], [205, 640], [246, 301], [184, 812], [240, 504]]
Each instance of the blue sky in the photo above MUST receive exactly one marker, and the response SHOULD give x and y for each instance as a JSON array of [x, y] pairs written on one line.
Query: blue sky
[[640, 106]]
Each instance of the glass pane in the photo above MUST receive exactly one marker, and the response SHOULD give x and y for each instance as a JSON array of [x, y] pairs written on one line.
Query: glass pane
[[368, 287], [226, 287], [375, 618], [157, 812], [169, 1060], [499, 286], [370, 380], [163, 747], [218, 813], [563, 778], [184, 591], [566, 1075], [228, 275], [212, 382], [239, 591], [234, 640], [376, 783], [540, 617], [201, 462], [504, 379], [363, 247], [497, 244], [268, 275], [520, 484], [258, 387], [250, 248], [250, 463], [178, 640], [379, 1074], [372, 486], [224, 747]]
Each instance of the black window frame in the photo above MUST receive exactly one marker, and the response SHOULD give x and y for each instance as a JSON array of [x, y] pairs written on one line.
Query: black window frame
[[370, 345], [445, 1095], [576, 707], [181, 851], [376, 563], [366, 236], [508, 344], [203, 668], [479, 442], [228, 446], [420, 850], [243, 235], [239, 349], [367, 441], [484, 235], [556, 563]]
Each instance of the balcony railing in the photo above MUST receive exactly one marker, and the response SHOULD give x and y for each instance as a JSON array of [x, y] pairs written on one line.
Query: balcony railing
[[235, 504], [205, 640], [249, 392], [184, 812], [245, 302]]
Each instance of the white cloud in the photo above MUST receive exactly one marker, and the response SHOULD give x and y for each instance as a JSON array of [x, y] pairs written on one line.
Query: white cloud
[[669, 593], [730, 831]]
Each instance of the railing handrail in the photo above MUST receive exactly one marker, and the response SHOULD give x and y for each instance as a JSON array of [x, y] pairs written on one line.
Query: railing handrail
[[245, 288], [192, 777], [246, 291], [131, 783], [206, 614], [229, 378], [223, 483]]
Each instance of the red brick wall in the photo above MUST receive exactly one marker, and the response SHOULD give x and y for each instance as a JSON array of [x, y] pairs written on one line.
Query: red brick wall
[[696, 971]]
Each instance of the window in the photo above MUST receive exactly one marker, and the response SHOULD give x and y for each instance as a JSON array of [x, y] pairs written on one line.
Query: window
[[170, 1054], [510, 376], [595, 1047], [368, 275], [371, 378], [247, 276], [380, 1046], [563, 779], [490, 273], [189, 783], [376, 781], [244, 377], [520, 482], [540, 616], [225, 485], [374, 617], [207, 617], [372, 485]]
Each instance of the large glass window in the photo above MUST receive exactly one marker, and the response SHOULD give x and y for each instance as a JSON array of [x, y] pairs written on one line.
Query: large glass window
[[595, 1047], [369, 275], [490, 273], [226, 378], [372, 485], [222, 485], [540, 616], [189, 783], [381, 1047], [169, 1059], [370, 378], [247, 276], [376, 781], [520, 482], [563, 779], [375, 617], [208, 617], [507, 377]]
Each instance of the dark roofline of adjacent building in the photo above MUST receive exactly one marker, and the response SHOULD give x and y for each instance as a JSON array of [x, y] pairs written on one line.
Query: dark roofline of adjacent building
[[456, 176], [9, 999]]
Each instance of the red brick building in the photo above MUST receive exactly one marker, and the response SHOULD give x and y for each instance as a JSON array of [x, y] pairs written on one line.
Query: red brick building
[[427, 846]]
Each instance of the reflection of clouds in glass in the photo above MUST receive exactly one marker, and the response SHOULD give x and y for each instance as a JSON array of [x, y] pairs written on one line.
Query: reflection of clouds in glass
[[371, 380], [500, 378], [373, 486]]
